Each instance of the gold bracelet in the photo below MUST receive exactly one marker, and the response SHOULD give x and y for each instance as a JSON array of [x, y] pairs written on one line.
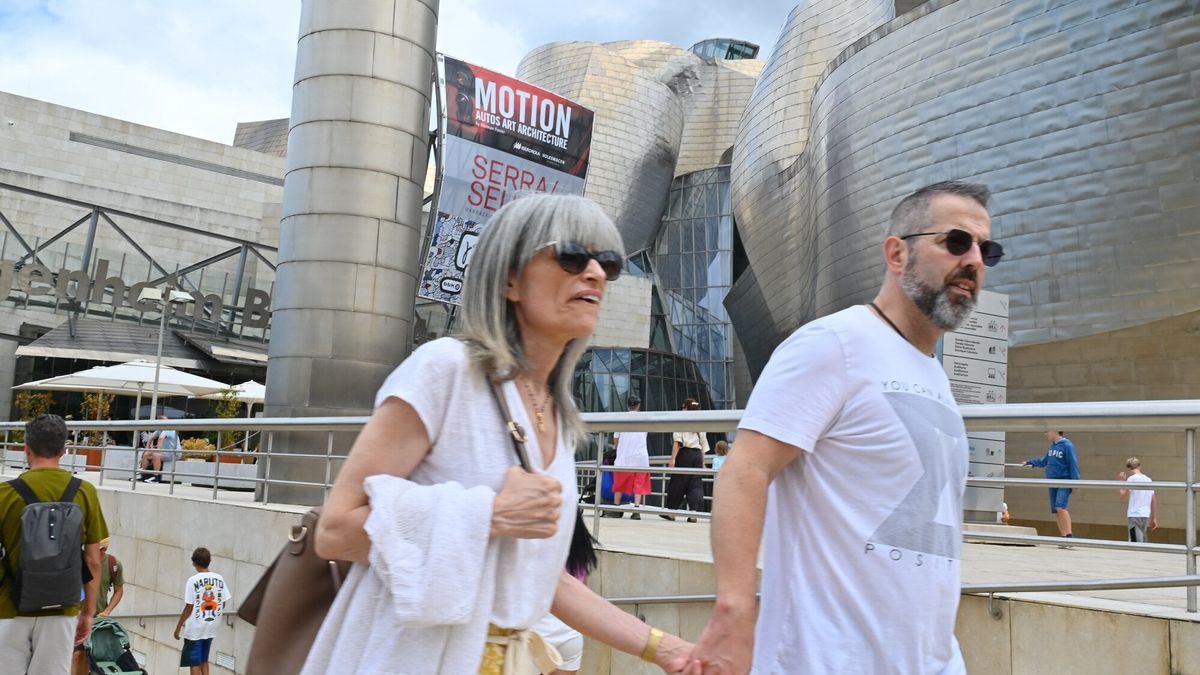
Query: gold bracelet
[[651, 649]]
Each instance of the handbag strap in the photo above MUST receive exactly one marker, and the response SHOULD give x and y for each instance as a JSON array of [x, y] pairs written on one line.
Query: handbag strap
[[515, 431]]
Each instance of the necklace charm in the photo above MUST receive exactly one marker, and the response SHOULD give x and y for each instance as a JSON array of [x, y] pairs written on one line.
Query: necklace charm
[[539, 409]]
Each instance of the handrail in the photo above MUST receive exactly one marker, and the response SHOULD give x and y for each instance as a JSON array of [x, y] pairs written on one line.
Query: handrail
[[1119, 416], [976, 588]]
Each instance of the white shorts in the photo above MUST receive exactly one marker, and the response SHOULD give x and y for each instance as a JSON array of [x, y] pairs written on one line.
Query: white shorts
[[567, 640], [37, 644]]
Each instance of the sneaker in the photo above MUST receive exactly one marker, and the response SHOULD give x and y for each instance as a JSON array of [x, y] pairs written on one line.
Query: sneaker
[[666, 517], [151, 479], [612, 514], [691, 520], [635, 516]]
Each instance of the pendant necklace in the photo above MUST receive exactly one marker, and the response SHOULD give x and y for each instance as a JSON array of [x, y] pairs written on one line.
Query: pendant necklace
[[539, 410], [889, 322]]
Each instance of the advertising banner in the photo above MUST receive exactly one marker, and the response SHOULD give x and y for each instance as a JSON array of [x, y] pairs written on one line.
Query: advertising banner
[[502, 138]]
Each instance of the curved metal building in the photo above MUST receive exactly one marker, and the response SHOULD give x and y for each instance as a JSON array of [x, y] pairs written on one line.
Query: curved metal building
[[1083, 118], [661, 111]]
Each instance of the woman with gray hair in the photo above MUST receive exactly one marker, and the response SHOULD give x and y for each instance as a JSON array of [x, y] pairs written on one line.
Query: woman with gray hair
[[459, 549]]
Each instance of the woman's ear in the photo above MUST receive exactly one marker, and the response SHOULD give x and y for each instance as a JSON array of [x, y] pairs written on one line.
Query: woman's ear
[[511, 291]]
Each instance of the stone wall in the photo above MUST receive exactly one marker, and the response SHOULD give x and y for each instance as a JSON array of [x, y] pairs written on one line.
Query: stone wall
[[1157, 360]]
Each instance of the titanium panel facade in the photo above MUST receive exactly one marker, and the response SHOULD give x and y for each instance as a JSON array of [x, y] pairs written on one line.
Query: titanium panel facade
[[660, 111], [1083, 117]]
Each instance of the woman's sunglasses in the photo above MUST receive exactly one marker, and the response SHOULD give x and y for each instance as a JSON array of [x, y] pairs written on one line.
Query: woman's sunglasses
[[574, 258], [958, 242]]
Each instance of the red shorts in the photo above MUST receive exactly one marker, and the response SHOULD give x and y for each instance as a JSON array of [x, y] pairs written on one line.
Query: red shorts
[[631, 483]]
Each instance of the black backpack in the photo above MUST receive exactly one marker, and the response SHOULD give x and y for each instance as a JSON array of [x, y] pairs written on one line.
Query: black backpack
[[49, 574]]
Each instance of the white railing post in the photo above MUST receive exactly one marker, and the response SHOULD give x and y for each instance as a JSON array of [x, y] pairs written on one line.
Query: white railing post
[[1189, 500]]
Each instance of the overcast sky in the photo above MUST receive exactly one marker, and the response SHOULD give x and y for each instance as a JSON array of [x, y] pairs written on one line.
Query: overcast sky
[[200, 66]]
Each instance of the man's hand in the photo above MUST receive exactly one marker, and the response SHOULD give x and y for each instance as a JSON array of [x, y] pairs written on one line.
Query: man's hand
[[104, 613], [727, 643], [83, 629], [1153, 524], [1121, 476], [527, 506], [177, 629]]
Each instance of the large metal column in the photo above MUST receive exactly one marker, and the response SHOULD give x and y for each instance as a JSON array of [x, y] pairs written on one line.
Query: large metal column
[[350, 231]]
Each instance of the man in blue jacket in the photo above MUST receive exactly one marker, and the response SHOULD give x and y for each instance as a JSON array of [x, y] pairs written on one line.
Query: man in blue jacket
[[1060, 462]]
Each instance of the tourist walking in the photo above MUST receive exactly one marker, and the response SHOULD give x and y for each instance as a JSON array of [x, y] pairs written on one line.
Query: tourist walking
[[851, 465], [458, 550], [631, 452]]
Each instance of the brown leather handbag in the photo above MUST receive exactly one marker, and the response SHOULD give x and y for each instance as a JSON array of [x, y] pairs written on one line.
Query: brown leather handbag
[[290, 601]]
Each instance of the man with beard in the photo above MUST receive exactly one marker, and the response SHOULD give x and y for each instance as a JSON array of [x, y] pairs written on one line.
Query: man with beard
[[851, 465]]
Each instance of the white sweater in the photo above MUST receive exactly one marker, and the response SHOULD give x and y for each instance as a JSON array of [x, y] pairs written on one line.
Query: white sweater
[[436, 580]]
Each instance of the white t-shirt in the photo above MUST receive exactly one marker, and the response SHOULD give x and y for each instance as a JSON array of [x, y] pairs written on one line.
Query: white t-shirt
[[208, 594], [631, 449], [863, 537], [1139, 500], [691, 439], [471, 445]]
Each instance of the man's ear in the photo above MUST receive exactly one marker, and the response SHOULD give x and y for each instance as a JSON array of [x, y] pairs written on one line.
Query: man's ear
[[895, 254]]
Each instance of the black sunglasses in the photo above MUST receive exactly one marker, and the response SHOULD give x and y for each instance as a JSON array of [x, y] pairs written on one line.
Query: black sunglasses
[[958, 242], [574, 258]]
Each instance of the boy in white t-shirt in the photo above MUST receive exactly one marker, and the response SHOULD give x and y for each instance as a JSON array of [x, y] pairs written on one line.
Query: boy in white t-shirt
[[851, 466], [206, 594], [1143, 505]]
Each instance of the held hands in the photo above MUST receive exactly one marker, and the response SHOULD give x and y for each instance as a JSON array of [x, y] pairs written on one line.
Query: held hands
[[526, 506], [673, 653], [727, 644]]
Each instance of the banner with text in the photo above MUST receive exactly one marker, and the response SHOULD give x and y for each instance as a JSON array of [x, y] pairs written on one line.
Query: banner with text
[[502, 137], [975, 357]]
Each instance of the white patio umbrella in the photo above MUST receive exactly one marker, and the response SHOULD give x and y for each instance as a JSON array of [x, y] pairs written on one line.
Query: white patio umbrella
[[129, 379], [248, 392]]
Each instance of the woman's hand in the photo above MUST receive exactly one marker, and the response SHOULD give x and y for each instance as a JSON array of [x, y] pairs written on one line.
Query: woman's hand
[[673, 653], [526, 506]]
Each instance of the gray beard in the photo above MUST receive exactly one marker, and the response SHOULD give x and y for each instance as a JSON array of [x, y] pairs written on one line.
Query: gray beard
[[934, 303]]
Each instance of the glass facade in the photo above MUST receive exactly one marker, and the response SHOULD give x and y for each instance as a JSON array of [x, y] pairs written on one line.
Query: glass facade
[[604, 377], [693, 261], [725, 49]]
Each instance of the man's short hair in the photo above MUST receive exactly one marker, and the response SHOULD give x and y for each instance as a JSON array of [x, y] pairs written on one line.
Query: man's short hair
[[46, 435], [201, 557], [1133, 463], [911, 215], [633, 401]]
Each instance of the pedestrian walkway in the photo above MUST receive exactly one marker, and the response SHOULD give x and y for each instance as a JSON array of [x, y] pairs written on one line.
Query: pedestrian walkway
[[982, 563]]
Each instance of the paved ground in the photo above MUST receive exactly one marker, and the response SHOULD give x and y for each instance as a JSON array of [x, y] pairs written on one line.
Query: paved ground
[[982, 563]]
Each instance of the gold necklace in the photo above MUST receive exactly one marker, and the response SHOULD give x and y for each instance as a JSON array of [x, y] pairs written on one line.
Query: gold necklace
[[539, 410]]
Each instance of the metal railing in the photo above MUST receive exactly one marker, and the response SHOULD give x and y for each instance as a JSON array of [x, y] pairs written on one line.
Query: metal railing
[[1170, 416]]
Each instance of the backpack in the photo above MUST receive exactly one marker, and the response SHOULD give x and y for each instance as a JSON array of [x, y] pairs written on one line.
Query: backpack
[[49, 573]]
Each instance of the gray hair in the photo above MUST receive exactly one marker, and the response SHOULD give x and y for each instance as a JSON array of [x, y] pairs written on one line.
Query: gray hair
[[511, 237], [46, 435], [911, 215]]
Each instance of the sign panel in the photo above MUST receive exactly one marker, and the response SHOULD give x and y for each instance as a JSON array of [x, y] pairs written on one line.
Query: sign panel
[[975, 357], [501, 138]]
